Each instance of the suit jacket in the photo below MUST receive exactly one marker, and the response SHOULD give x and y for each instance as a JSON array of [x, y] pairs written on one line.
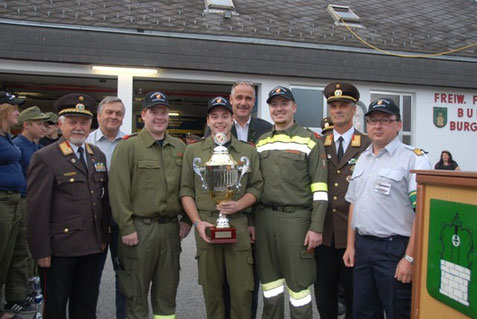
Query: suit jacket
[[339, 176], [67, 205], [256, 128]]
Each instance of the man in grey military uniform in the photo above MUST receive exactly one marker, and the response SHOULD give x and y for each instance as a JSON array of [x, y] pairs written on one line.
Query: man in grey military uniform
[[343, 145], [381, 232]]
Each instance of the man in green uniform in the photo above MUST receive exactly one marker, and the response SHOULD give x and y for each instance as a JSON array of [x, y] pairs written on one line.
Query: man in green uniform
[[145, 179], [215, 261], [290, 217]]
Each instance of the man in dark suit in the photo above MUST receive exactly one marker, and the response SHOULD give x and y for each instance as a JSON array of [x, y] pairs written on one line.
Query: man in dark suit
[[343, 145], [246, 127], [68, 213]]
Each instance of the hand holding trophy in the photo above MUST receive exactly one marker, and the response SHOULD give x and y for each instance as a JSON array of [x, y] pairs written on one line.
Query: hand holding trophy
[[220, 177]]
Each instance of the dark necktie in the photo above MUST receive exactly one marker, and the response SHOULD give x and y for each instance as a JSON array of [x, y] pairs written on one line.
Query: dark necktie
[[82, 158], [340, 148]]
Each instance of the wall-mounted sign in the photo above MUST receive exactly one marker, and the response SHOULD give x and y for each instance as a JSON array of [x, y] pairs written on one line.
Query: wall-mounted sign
[[461, 109]]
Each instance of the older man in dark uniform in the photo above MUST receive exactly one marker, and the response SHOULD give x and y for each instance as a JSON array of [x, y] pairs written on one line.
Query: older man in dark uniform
[[68, 213], [343, 145]]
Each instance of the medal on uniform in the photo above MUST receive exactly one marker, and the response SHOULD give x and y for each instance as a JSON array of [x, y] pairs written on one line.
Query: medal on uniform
[[221, 176], [99, 167]]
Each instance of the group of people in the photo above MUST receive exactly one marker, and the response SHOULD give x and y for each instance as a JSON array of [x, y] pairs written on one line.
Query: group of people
[[307, 211]]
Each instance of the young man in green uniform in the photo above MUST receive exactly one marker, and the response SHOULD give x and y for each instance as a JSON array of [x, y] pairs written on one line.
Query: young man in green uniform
[[290, 217], [145, 179], [215, 261]]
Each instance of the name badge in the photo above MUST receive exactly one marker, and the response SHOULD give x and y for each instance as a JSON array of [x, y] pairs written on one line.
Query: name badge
[[99, 167], [382, 188]]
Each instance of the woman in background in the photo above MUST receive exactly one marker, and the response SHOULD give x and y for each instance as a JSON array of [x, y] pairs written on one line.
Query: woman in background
[[11, 181], [446, 162]]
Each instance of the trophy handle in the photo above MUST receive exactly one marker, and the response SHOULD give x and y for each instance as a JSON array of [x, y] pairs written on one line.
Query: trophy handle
[[243, 169], [199, 170]]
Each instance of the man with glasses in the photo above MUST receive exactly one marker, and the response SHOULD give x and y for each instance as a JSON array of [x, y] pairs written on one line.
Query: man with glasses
[[381, 232]]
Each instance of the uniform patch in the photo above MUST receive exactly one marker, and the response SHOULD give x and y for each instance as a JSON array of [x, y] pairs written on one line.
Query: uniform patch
[[293, 151], [69, 174], [99, 167]]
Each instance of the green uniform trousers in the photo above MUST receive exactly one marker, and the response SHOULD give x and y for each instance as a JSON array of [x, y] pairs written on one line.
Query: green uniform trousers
[[154, 262], [215, 261], [10, 217], [16, 284], [283, 260]]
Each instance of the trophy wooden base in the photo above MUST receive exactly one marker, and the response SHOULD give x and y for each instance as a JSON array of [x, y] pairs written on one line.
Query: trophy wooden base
[[222, 235]]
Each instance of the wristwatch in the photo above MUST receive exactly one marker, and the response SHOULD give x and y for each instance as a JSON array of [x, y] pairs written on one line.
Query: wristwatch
[[409, 258]]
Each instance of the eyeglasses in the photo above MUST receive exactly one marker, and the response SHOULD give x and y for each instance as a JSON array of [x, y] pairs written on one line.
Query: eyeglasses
[[384, 122]]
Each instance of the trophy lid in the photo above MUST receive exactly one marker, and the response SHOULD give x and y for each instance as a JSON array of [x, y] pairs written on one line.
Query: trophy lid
[[220, 156]]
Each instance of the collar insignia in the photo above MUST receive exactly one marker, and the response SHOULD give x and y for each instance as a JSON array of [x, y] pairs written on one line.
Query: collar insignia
[[66, 148], [356, 141]]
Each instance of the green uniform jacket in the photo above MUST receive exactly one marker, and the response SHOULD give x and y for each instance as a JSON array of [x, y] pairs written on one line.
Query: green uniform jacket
[[293, 166], [145, 179], [191, 184]]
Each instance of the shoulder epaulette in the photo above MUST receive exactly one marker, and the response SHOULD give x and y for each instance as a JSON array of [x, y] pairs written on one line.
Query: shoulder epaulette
[[125, 137], [419, 152], [65, 148]]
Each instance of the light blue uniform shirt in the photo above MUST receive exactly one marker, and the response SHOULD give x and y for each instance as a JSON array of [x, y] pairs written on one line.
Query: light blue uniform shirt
[[106, 146], [383, 190]]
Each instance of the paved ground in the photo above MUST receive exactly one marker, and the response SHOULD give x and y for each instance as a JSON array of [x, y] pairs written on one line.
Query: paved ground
[[190, 304]]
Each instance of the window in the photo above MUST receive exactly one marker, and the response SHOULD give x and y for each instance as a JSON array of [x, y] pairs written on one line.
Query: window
[[404, 102], [309, 102], [219, 4], [345, 13]]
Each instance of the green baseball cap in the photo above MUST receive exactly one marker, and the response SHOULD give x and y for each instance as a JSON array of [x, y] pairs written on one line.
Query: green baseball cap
[[31, 114], [53, 117]]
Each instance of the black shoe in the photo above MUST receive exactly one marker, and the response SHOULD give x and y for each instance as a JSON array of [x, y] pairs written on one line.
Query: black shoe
[[20, 307]]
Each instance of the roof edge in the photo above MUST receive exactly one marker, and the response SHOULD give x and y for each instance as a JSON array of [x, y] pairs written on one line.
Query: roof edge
[[245, 40]]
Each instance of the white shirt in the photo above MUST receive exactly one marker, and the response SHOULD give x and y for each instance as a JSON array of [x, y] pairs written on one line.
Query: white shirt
[[383, 190], [346, 139], [104, 144], [242, 131]]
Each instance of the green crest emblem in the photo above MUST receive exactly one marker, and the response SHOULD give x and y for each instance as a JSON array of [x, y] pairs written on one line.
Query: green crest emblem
[[440, 116]]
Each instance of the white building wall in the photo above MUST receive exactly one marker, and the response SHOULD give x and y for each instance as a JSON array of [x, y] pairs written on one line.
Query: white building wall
[[425, 135]]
